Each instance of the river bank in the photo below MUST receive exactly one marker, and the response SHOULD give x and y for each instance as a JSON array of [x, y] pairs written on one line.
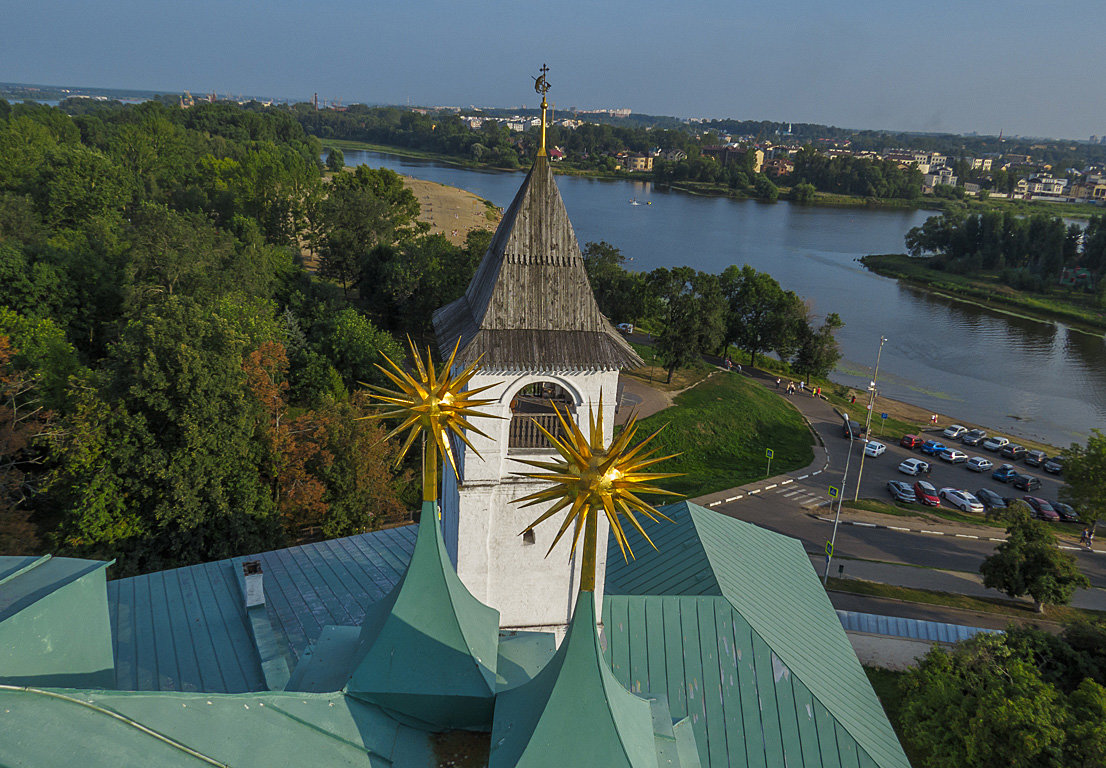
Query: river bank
[[986, 291]]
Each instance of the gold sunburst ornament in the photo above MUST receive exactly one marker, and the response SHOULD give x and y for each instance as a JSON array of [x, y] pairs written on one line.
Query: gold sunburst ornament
[[434, 404], [592, 479]]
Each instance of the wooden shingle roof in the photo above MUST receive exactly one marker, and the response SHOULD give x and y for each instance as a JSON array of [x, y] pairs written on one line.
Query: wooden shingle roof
[[530, 305]]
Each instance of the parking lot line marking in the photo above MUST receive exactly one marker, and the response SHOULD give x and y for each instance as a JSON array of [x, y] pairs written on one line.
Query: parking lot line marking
[[804, 477], [965, 536], [935, 533], [896, 528], [714, 504], [734, 498], [770, 487], [755, 490], [785, 482]]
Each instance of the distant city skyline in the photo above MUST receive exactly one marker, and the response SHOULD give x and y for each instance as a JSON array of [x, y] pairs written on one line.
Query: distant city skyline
[[956, 67]]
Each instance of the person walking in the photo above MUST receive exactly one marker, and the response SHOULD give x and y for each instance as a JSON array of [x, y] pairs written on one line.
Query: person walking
[[777, 382], [1083, 537]]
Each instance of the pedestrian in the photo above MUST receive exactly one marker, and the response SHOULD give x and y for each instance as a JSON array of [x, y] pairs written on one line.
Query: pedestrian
[[933, 419], [853, 400], [1090, 538], [739, 367], [1083, 536], [778, 382]]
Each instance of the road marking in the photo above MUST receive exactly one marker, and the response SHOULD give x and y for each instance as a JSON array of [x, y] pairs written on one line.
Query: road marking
[[734, 498], [790, 494], [1070, 549], [714, 504], [755, 490], [804, 477], [965, 536], [935, 533], [785, 482], [996, 539], [866, 525], [770, 487], [812, 474], [897, 528]]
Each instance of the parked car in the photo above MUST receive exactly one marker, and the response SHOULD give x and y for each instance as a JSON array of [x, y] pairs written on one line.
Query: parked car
[[926, 493], [1055, 465], [911, 441], [973, 437], [932, 447], [914, 467], [1035, 458], [1005, 473], [995, 443], [901, 491], [1025, 482], [873, 449], [1013, 451], [979, 464], [962, 500], [1065, 511], [954, 431], [953, 456], [626, 328], [989, 499], [856, 427], [1042, 509]]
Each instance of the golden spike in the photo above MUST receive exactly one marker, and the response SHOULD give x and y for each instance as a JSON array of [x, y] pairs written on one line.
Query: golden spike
[[434, 403], [595, 479]]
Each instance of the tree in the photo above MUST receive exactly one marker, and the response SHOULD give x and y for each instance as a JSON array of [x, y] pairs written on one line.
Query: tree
[[980, 705], [762, 316], [335, 160], [818, 352], [1030, 563], [1085, 473], [803, 193]]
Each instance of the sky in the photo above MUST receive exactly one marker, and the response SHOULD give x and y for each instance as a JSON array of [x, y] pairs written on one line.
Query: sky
[[1022, 67]]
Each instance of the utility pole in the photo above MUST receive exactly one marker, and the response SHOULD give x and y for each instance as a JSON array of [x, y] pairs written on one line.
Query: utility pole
[[868, 421]]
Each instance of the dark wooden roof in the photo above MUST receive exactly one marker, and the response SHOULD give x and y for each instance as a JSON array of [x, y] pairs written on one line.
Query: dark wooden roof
[[529, 305]]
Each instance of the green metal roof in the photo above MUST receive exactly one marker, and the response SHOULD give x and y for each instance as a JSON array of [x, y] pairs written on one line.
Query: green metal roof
[[54, 627], [771, 636], [430, 649], [144, 730], [575, 712]]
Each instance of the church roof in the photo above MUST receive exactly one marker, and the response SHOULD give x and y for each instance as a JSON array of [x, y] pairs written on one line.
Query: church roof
[[757, 658], [530, 305]]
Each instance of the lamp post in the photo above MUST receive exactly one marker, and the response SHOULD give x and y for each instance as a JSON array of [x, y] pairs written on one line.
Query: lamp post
[[840, 496], [871, 407]]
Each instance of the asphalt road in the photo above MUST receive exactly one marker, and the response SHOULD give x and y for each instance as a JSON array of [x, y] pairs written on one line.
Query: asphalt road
[[786, 509]]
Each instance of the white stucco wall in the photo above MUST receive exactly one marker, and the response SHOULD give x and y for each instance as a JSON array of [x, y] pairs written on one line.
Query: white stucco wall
[[483, 527]]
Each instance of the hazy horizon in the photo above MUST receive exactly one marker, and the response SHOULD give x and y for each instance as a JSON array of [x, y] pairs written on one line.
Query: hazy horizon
[[982, 67]]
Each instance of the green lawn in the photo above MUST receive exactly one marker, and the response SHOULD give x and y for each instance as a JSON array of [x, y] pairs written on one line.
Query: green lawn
[[721, 428]]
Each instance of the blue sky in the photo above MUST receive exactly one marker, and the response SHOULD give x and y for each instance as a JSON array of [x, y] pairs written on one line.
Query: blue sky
[[1029, 68]]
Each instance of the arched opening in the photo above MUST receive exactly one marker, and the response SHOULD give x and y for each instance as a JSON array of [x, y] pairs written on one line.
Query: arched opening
[[532, 405]]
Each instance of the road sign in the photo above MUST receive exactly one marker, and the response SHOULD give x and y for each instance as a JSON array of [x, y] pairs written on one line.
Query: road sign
[[834, 492], [883, 416], [768, 452], [829, 549]]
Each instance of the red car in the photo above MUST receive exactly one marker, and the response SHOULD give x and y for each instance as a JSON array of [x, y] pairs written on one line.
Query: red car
[[911, 441], [1042, 509], [926, 493]]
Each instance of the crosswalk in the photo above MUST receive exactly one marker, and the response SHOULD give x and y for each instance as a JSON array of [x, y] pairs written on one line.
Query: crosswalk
[[802, 496]]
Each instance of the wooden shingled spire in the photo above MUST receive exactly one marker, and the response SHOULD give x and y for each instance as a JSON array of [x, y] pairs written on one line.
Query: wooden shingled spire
[[530, 305]]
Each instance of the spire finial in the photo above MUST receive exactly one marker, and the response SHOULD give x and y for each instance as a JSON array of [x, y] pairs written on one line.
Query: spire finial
[[541, 85]]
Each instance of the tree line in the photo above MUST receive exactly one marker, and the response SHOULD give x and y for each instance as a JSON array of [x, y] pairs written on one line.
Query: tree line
[[698, 313], [175, 385], [1024, 251]]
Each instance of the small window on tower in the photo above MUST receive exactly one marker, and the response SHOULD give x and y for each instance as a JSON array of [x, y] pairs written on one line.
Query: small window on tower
[[528, 536]]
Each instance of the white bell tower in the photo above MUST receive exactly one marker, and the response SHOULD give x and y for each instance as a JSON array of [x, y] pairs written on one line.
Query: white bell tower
[[530, 316]]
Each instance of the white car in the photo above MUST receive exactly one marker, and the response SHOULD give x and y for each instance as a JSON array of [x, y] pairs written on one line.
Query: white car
[[962, 500], [953, 456], [626, 328], [995, 443], [874, 449], [979, 464], [954, 431], [914, 467]]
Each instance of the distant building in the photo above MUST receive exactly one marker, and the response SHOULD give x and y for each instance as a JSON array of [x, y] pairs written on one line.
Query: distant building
[[636, 162], [725, 155]]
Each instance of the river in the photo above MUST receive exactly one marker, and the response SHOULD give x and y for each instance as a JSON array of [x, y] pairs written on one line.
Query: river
[[1038, 380]]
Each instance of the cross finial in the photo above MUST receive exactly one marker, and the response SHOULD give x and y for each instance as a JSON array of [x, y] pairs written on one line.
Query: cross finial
[[541, 85]]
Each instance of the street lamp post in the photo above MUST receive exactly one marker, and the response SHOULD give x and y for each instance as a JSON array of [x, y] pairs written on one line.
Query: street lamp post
[[871, 407], [840, 497]]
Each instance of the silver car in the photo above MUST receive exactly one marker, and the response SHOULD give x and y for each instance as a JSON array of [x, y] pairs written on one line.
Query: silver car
[[979, 464]]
